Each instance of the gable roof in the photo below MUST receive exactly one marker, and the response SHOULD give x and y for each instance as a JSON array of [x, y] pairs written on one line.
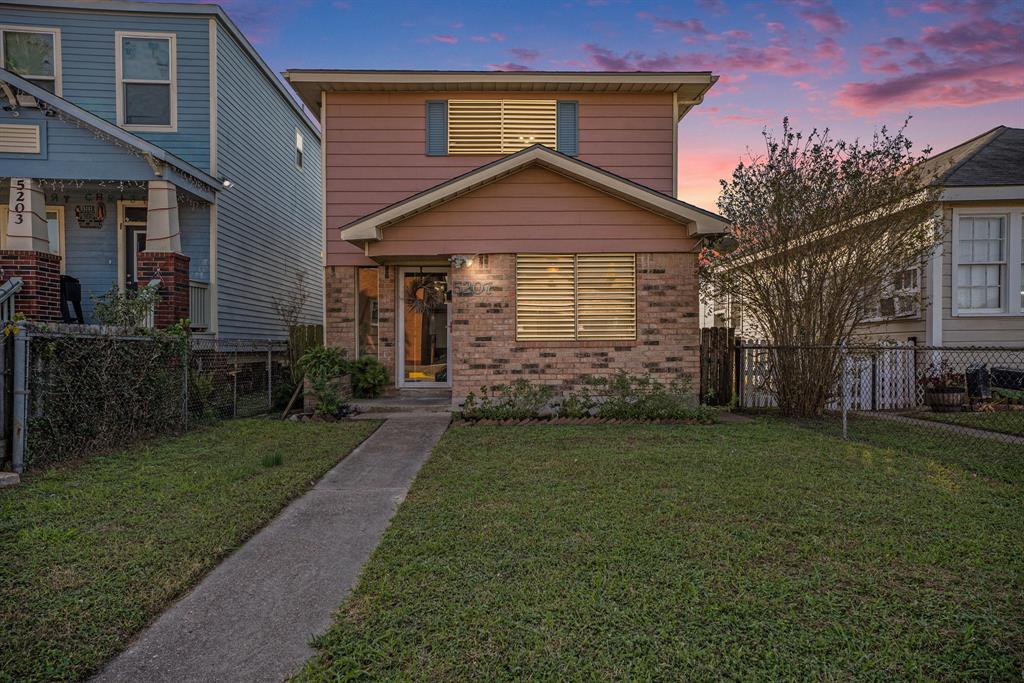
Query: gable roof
[[148, 149], [689, 86], [180, 8], [697, 220], [995, 157]]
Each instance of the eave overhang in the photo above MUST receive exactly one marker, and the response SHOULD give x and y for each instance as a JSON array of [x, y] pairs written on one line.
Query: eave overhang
[[698, 222]]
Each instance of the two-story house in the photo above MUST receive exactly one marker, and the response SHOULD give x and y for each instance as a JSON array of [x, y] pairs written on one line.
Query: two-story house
[[483, 227], [143, 141]]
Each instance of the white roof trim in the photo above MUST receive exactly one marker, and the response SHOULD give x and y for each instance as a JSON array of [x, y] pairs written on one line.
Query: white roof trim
[[981, 193], [697, 220]]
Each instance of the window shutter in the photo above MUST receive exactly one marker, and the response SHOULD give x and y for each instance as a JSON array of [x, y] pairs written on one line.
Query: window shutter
[[568, 127], [526, 123], [606, 296], [437, 127], [474, 126], [545, 297]]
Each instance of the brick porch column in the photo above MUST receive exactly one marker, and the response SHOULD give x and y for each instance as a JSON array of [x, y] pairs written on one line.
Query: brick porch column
[[26, 253], [162, 258]]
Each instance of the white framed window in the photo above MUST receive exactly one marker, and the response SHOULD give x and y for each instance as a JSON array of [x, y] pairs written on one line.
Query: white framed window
[[298, 149], [146, 67], [988, 262], [55, 231], [33, 53], [900, 297]]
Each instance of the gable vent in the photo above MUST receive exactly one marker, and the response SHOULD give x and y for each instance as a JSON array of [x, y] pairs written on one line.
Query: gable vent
[[19, 138]]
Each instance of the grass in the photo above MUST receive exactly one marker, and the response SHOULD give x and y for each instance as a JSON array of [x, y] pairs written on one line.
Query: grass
[[741, 551], [92, 552], [1005, 421]]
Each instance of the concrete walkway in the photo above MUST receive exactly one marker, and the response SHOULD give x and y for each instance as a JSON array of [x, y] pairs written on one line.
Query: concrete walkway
[[252, 617]]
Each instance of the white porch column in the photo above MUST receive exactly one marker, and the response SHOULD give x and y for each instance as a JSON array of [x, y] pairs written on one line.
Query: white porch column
[[162, 228], [26, 217]]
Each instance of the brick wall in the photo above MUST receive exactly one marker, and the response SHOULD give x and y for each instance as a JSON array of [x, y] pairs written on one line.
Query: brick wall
[[39, 298], [172, 269], [340, 296], [484, 349]]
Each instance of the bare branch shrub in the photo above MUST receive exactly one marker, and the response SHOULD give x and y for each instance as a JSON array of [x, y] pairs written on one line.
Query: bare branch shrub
[[818, 225]]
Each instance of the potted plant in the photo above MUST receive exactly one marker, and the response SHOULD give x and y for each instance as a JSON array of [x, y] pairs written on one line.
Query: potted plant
[[944, 388]]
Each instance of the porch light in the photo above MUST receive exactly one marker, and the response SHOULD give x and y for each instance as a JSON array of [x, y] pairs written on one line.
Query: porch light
[[458, 261], [227, 183]]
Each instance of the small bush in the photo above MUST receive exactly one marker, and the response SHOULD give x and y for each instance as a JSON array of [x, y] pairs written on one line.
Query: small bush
[[324, 366], [128, 308], [369, 377], [517, 401], [634, 397]]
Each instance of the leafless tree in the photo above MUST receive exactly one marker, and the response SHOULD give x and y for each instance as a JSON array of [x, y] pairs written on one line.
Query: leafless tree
[[818, 225], [290, 306]]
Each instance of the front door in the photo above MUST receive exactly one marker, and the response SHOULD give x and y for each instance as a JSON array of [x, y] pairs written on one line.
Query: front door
[[423, 325], [134, 231]]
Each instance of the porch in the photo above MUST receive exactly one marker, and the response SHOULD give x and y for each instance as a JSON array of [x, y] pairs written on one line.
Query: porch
[[106, 235]]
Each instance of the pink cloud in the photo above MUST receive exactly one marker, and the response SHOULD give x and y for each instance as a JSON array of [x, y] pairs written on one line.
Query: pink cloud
[[457, 25], [524, 54], [964, 85], [773, 59], [508, 66], [695, 26], [775, 27], [716, 6], [478, 39], [737, 35], [445, 38], [823, 19], [897, 11], [500, 37]]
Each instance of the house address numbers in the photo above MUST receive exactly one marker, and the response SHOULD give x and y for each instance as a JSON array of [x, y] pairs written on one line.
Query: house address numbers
[[468, 288]]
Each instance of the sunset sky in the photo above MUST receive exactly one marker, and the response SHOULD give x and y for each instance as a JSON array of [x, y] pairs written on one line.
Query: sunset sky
[[957, 67]]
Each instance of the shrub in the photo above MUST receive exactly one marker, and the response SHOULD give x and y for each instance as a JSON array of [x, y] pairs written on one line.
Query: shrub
[[635, 397], [517, 401], [369, 377], [323, 367], [128, 308]]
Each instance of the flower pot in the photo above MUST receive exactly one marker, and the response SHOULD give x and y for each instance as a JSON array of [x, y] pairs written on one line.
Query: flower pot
[[945, 400]]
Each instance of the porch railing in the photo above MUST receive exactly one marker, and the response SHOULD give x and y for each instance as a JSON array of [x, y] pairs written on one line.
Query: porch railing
[[8, 292], [199, 304]]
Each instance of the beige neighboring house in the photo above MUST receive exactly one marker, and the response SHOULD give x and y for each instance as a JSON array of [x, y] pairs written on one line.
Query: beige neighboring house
[[971, 291]]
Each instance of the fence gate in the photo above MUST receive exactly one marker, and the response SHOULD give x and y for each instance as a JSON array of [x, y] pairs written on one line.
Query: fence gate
[[717, 365]]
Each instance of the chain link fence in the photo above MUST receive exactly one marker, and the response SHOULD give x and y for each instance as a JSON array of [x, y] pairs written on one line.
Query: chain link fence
[[957, 392], [74, 392]]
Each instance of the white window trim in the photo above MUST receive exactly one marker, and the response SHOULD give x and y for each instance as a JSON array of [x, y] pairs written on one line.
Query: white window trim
[[62, 246], [1011, 285], [58, 86], [299, 147], [889, 291], [119, 37]]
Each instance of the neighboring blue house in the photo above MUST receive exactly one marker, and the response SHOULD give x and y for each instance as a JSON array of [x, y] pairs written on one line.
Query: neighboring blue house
[[141, 139]]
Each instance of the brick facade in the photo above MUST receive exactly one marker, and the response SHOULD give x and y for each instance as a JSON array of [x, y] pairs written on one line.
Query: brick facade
[[483, 344], [340, 297], [172, 269], [39, 298], [485, 351]]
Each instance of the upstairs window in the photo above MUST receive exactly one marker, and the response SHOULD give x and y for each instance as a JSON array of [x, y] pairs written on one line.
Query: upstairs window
[[298, 149], [981, 252], [575, 297], [33, 54], [146, 81], [500, 126]]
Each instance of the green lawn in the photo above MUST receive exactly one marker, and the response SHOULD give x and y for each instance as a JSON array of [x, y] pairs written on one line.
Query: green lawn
[[739, 551], [1005, 421], [90, 553]]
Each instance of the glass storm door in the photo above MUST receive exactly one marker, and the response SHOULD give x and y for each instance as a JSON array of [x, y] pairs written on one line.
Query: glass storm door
[[423, 351]]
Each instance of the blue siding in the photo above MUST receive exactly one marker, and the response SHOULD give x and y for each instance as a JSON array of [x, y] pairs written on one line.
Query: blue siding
[[72, 153], [87, 55], [268, 223]]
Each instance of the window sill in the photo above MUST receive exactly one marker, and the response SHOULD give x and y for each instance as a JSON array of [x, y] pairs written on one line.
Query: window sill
[[149, 129], [576, 343], [988, 314]]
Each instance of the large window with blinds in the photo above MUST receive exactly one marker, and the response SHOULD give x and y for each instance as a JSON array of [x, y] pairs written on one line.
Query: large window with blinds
[[575, 297], [500, 126]]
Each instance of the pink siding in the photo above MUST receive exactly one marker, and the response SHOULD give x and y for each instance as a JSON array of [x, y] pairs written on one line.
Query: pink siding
[[375, 150], [534, 210]]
